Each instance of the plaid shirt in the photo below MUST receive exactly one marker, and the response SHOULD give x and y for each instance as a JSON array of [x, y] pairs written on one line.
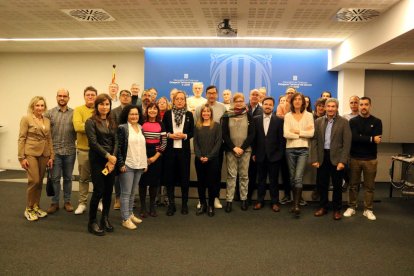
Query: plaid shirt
[[63, 133]]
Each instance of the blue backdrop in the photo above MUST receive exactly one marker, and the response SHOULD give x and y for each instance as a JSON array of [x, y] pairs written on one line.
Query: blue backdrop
[[240, 70]]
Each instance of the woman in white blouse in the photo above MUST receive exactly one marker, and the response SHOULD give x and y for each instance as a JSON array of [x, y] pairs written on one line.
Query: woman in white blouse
[[298, 129], [132, 162]]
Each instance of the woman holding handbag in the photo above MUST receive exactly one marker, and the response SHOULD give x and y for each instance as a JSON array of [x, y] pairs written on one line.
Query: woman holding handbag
[[35, 152]]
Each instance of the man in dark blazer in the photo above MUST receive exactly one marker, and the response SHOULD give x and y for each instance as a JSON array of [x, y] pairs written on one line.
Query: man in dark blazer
[[331, 145], [268, 151], [179, 125], [254, 109]]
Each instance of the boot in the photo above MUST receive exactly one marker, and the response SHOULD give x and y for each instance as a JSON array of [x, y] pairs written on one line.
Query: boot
[[95, 229], [184, 208], [297, 194], [210, 211], [106, 225], [228, 207], [244, 205], [171, 209], [202, 209]]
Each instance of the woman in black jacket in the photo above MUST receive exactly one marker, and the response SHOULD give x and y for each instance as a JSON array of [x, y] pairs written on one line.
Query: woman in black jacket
[[132, 162], [179, 125], [103, 146]]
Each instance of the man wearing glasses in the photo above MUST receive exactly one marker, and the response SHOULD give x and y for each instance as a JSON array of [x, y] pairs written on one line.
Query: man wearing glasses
[[80, 115]]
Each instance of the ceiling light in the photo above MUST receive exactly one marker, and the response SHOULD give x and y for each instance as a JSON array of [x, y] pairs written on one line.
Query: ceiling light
[[174, 38], [402, 63]]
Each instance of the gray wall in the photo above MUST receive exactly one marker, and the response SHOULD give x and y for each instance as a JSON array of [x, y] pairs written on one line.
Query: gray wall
[[392, 93]]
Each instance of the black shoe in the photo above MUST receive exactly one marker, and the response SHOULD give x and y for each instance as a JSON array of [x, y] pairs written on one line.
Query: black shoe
[[184, 210], [244, 205], [106, 225], [201, 210], [95, 229], [210, 211], [171, 210], [228, 207]]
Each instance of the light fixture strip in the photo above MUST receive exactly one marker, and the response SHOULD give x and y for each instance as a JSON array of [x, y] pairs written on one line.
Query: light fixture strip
[[402, 63], [255, 38]]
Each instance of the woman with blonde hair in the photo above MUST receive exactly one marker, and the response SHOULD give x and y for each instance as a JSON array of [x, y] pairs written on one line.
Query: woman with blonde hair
[[35, 152], [207, 142]]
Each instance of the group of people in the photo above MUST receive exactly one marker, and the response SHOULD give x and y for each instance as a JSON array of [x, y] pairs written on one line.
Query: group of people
[[139, 143]]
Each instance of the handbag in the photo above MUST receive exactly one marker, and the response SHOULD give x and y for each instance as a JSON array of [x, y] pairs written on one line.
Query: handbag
[[50, 191]]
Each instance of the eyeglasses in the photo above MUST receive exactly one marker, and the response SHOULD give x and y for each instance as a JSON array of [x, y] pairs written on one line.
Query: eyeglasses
[[125, 95], [238, 101]]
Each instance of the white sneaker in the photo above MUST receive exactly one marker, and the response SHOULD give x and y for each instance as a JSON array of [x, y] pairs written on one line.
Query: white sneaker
[[217, 203], [349, 212], [30, 214], [369, 214], [134, 219], [39, 212], [81, 208], [100, 206], [199, 205], [128, 224]]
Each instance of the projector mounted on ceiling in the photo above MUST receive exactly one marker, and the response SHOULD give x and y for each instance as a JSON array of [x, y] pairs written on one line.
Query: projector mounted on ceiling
[[225, 30]]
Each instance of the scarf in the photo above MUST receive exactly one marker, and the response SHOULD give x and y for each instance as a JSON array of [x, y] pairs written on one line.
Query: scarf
[[178, 114], [233, 112]]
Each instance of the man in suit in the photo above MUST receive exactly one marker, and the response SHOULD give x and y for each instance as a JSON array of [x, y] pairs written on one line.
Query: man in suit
[[268, 151], [254, 109], [330, 152]]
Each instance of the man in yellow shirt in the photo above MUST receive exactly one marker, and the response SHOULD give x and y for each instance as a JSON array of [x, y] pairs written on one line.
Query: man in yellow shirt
[[80, 115]]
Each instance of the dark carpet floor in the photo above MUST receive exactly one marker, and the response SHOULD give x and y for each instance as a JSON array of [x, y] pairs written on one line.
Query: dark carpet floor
[[239, 243]]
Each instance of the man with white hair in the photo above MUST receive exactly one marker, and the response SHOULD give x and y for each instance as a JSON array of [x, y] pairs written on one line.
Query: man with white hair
[[197, 99]]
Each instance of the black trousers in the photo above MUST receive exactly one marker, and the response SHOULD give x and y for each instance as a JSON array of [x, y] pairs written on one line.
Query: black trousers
[[285, 176], [207, 178], [219, 167], [177, 170], [326, 172], [252, 178], [102, 186], [271, 169]]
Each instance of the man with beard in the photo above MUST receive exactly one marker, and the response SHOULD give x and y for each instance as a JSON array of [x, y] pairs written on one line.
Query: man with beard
[[64, 137], [366, 135], [268, 151]]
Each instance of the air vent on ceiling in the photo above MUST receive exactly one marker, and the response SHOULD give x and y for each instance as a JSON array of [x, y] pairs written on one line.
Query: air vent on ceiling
[[89, 15], [356, 15]]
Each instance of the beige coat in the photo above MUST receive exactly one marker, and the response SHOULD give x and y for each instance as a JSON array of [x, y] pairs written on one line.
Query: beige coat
[[34, 140]]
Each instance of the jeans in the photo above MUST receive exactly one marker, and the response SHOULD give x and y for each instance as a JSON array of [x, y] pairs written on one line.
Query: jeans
[[297, 158], [129, 185], [63, 164]]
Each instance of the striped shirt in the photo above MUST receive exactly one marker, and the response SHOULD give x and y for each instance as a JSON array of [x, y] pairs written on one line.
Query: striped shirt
[[154, 133], [63, 132]]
